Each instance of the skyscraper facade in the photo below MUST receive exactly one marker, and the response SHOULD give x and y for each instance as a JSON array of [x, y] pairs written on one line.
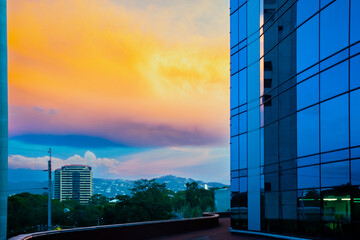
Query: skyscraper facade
[[73, 182], [295, 137]]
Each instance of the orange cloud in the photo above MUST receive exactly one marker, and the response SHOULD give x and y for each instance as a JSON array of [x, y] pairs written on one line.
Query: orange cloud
[[103, 63]]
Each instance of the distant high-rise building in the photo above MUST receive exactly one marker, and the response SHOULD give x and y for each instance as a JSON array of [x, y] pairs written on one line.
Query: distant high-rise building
[[295, 113], [73, 182]]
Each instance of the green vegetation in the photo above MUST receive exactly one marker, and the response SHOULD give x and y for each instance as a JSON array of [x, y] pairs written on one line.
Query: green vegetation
[[150, 201]]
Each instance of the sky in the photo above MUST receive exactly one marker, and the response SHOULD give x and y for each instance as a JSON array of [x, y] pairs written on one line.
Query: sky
[[136, 89]]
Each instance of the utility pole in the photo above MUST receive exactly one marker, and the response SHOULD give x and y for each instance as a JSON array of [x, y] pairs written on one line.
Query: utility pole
[[49, 193]]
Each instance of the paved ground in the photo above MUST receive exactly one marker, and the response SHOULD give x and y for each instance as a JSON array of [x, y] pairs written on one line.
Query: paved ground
[[219, 233]]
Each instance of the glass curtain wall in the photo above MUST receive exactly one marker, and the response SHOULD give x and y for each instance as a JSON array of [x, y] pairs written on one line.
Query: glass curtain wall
[[308, 93]]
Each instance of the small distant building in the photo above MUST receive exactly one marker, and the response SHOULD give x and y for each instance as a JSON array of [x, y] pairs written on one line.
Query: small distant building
[[73, 182], [222, 200]]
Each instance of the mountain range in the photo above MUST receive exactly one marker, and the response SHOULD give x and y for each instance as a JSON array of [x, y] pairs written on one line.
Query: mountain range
[[112, 187]]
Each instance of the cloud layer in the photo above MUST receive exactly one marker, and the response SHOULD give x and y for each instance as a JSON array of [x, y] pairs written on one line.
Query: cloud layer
[[137, 74], [201, 163]]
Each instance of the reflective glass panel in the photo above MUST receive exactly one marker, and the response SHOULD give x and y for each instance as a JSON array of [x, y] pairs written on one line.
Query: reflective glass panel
[[308, 177], [336, 208], [305, 9], [234, 125], [308, 47], [242, 23], [234, 63], [243, 151], [355, 172], [234, 153], [334, 81], [355, 118], [334, 28], [334, 123], [335, 174], [308, 131], [242, 58], [308, 92], [234, 186], [234, 91], [354, 72], [309, 205], [243, 123], [354, 21], [234, 28], [242, 87], [243, 184]]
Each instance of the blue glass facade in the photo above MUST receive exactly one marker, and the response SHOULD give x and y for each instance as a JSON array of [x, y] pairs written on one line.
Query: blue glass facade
[[295, 137]]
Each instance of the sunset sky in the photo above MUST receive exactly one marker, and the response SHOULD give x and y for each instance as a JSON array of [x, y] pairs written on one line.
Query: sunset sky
[[136, 89]]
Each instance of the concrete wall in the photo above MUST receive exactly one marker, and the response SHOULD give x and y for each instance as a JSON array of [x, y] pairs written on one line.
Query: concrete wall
[[3, 121]]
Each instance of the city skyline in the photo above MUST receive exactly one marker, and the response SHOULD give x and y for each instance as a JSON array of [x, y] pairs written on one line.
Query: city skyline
[[133, 89]]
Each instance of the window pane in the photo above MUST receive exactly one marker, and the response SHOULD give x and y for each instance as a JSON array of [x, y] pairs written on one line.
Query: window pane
[[234, 153], [305, 9], [308, 92], [243, 151], [308, 177], [242, 58], [242, 23], [308, 131], [355, 172], [234, 63], [335, 123], [355, 21], [234, 91], [309, 205], [334, 28], [234, 185], [243, 123], [242, 87], [336, 207], [335, 174], [308, 44], [334, 81], [354, 72], [355, 118], [234, 28], [234, 125]]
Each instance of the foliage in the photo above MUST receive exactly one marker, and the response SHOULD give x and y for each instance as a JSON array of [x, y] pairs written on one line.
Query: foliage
[[149, 201]]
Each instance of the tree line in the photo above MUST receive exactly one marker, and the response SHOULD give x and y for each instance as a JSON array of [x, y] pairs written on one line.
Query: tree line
[[149, 201]]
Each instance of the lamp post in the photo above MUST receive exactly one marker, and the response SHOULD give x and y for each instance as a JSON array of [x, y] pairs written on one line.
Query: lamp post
[[49, 193]]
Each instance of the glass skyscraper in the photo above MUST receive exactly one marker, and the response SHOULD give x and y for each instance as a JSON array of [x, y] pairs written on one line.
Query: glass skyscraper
[[295, 116]]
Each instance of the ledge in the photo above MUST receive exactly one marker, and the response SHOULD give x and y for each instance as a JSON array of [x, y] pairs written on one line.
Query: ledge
[[139, 230]]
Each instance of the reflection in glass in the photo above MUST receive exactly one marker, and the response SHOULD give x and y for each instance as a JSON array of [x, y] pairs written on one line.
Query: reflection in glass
[[334, 81], [243, 151], [234, 153], [234, 28], [336, 209], [334, 28], [308, 131], [242, 87], [335, 174], [308, 92], [355, 118], [308, 177], [309, 205], [305, 9], [354, 21], [334, 123], [307, 47], [354, 72], [234, 125], [355, 172], [234, 100]]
